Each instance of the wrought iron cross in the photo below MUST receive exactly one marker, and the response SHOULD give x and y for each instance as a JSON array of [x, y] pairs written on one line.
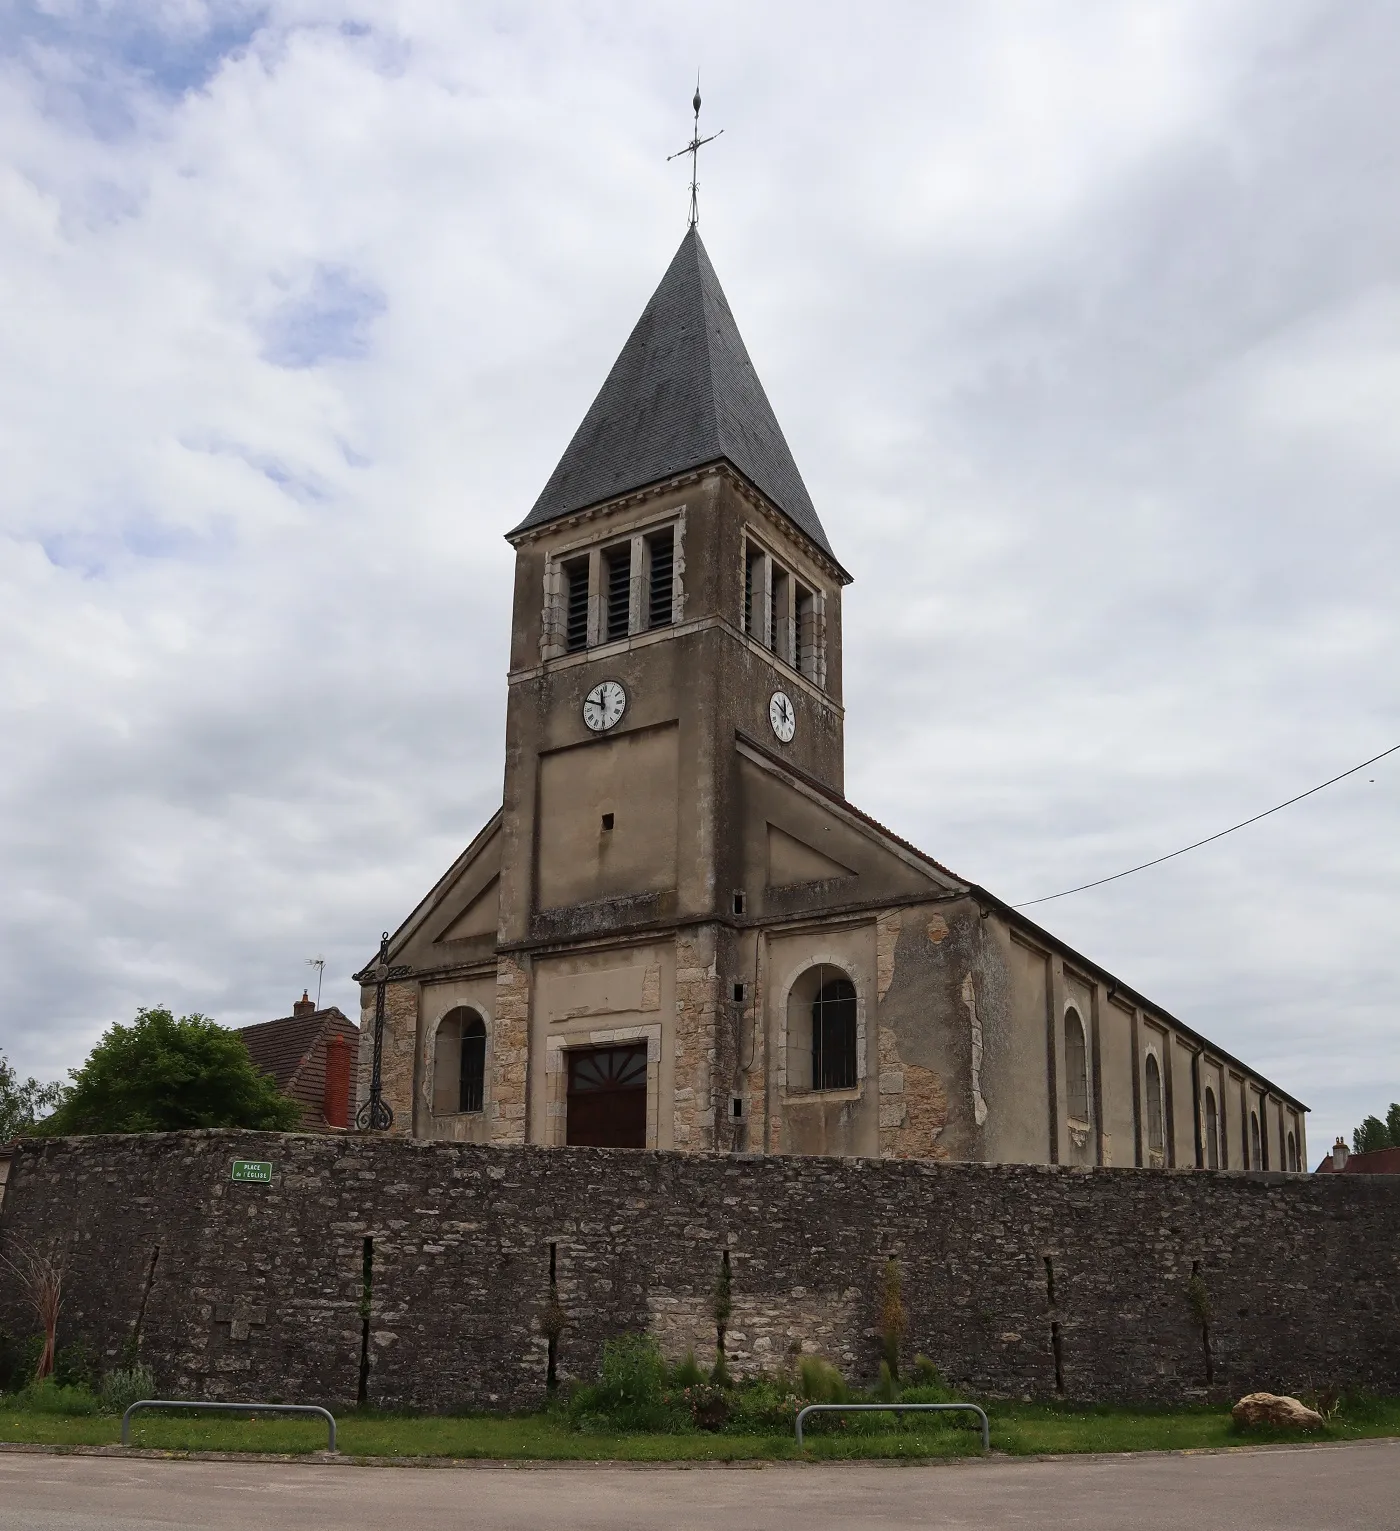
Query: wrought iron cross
[[693, 149], [376, 1112]]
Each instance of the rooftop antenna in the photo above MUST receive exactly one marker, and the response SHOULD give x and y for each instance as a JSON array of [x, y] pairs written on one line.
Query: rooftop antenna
[[319, 963], [693, 149]]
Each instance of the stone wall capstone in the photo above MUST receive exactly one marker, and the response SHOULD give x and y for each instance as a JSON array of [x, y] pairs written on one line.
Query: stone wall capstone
[[260, 1291]]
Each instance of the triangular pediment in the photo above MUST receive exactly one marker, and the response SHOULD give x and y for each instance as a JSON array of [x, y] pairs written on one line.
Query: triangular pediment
[[681, 395], [479, 918], [792, 860]]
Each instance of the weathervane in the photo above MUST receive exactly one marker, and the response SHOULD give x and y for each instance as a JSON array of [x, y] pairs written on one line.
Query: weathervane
[[376, 1113], [693, 150]]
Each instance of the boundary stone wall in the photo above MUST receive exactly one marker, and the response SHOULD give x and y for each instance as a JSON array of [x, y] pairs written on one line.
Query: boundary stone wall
[[246, 1290]]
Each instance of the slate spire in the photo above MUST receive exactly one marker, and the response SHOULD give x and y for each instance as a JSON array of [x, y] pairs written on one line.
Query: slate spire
[[682, 394]]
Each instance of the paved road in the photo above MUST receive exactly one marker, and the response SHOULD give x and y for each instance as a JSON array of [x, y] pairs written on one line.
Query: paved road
[[1327, 1488]]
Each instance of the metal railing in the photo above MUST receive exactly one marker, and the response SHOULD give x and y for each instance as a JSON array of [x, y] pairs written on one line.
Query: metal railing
[[245, 1408], [895, 1408]]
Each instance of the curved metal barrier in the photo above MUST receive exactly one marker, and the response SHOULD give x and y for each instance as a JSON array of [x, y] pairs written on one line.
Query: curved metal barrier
[[895, 1408], [243, 1408]]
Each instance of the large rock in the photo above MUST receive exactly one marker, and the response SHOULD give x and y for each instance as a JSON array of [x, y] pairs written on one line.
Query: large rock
[[1281, 1412]]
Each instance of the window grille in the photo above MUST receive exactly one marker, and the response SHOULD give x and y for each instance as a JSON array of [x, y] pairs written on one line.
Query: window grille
[[661, 547], [576, 604], [834, 1036], [472, 1079], [619, 583]]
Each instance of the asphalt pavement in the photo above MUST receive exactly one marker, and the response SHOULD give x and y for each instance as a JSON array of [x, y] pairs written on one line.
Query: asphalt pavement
[[1320, 1488]]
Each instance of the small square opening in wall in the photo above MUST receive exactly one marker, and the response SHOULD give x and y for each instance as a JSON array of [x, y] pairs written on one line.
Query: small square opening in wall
[[607, 821], [736, 1107], [739, 902], [738, 994]]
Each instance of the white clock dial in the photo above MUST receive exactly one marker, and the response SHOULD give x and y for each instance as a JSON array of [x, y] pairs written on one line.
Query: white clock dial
[[782, 716], [604, 705]]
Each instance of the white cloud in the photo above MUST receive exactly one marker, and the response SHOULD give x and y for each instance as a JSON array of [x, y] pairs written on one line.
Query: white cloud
[[1080, 319]]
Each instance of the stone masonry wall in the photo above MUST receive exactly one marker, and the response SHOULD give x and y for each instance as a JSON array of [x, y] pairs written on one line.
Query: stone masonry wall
[[257, 1291]]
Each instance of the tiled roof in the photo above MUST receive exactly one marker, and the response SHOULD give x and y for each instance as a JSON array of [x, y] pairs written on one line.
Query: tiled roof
[[1380, 1161], [293, 1051], [682, 393]]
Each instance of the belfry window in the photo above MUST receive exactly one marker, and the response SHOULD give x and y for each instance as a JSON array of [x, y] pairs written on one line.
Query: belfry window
[[618, 563], [576, 604], [755, 591], [805, 624], [661, 564]]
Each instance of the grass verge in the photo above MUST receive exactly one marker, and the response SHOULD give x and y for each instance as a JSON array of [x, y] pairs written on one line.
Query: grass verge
[[1017, 1429]]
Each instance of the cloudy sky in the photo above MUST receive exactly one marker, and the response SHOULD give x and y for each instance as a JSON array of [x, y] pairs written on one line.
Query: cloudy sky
[[1083, 321]]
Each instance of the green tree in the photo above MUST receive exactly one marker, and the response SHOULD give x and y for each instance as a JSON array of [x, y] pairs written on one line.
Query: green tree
[[1370, 1135], [23, 1103], [1392, 1122], [160, 1074]]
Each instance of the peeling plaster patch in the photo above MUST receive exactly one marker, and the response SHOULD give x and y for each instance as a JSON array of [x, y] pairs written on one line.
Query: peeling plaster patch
[[886, 938], [979, 1105], [937, 929]]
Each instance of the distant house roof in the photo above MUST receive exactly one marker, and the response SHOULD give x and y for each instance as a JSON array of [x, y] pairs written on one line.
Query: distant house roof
[[1380, 1161], [293, 1050], [681, 395]]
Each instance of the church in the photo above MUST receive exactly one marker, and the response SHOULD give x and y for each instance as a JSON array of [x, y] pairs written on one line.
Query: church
[[677, 932]]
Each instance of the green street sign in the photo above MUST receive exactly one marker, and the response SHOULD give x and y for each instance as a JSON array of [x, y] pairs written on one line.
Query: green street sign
[[252, 1169]]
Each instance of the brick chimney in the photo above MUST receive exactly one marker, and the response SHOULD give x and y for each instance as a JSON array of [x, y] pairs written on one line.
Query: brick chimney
[[335, 1099], [305, 1005], [1339, 1156]]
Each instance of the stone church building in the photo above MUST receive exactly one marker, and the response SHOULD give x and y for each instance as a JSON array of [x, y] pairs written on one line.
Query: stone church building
[[677, 932]]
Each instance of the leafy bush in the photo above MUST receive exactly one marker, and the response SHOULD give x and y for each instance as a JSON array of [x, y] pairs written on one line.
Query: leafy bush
[[821, 1382], [763, 1406], [630, 1393], [121, 1388]]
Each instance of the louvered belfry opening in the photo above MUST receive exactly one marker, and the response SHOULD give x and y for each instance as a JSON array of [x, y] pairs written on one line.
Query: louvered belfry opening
[[576, 604], [607, 1105], [660, 581], [618, 562]]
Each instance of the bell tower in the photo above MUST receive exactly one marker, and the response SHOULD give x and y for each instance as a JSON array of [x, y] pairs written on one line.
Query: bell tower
[[675, 592]]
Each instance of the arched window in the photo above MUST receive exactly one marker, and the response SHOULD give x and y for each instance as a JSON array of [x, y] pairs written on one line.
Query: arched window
[[1292, 1152], [1156, 1115], [1212, 1131], [1076, 1068], [834, 1036], [459, 1062], [822, 1025], [1256, 1153]]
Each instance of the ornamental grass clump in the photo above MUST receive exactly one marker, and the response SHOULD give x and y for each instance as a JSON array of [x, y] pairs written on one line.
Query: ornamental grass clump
[[126, 1386]]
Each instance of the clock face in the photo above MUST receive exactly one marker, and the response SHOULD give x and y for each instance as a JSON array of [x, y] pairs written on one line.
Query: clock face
[[782, 716], [604, 705]]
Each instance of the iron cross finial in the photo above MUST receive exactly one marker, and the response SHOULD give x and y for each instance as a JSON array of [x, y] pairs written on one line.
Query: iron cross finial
[[693, 149]]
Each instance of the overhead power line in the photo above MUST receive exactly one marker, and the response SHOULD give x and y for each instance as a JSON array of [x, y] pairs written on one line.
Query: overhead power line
[[1219, 835]]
